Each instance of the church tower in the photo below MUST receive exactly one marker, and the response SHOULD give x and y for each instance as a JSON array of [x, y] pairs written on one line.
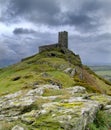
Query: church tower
[[63, 39]]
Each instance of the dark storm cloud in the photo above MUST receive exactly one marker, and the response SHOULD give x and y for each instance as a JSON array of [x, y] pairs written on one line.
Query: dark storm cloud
[[87, 20], [13, 49], [84, 14], [82, 22], [39, 11], [23, 31], [50, 13], [92, 49], [41, 6]]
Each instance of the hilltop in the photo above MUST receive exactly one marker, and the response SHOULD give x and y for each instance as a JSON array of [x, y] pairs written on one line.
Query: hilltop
[[53, 90], [58, 66]]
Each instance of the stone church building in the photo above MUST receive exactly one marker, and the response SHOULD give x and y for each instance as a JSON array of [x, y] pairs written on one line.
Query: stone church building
[[62, 42]]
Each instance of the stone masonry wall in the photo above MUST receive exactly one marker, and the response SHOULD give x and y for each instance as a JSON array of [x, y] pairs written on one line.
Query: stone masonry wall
[[48, 47], [62, 42], [63, 39]]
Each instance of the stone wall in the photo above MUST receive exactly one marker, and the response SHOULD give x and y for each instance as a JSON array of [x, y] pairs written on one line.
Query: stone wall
[[48, 47], [62, 42]]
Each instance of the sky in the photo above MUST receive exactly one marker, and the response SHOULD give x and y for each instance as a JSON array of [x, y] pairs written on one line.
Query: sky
[[27, 24]]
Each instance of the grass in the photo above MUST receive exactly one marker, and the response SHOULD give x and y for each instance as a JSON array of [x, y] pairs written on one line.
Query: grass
[[63, 78], [44, 68], [105, 74], [50, 92], [101, 122], [48, 68], [6, 125], [98, 83], [101, 99], [30, 73], [31, 70], [71, 105], [104, 71], [46, 122]]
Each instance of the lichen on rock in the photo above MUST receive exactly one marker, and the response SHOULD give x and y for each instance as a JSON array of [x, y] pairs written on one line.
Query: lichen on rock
[[71, 112]]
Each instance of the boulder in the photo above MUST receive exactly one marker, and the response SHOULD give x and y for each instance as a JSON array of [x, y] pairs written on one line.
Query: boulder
[[73, 72], [68, 70], [29, 117], [71, 110], [77, 89], [107, 107], [17, 127]]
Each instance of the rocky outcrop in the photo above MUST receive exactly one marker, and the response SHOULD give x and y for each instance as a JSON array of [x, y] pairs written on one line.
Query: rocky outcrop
[[76, 89], [64, 109], [107, 109], [17, 128], [71, 71]]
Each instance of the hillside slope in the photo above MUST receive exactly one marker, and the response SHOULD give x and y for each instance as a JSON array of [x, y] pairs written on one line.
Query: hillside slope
[[52, 90], [103, 71], [61, 67]]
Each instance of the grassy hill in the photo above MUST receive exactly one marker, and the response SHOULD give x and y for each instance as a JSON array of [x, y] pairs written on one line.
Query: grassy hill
[[52, 90], [103, 71], [49, 67]]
